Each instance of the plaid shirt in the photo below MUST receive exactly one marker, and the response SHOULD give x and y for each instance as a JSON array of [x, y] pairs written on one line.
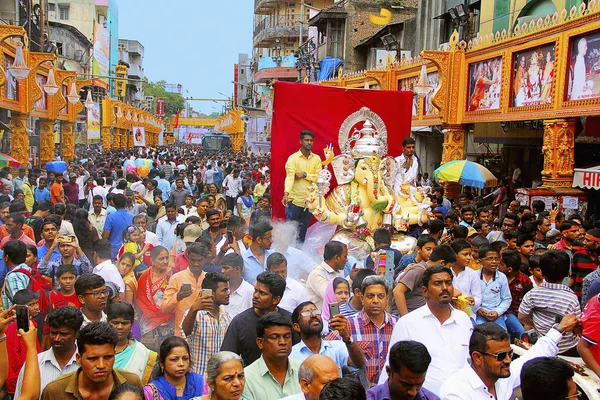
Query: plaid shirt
[[207, 337], [14, 282], [373, 341]]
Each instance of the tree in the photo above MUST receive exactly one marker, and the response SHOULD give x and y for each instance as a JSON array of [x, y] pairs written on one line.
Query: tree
[[174, 102]]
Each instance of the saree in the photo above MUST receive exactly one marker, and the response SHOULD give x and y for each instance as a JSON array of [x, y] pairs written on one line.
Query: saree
[[160, 389], [136, 359], [148, 299]]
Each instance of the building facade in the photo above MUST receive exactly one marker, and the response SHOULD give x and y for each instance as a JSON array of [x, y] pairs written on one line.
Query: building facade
[[131, 52]]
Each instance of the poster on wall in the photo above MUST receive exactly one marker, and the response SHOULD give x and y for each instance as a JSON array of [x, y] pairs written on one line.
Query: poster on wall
[[484, 85], [434, 80], [533, 76], [139, 136], [93, 122], [584, 67], [408, 84]]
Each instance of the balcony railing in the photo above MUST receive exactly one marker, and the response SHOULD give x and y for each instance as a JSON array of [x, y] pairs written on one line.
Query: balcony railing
[[274, 26], [264, 4], [135, 70]]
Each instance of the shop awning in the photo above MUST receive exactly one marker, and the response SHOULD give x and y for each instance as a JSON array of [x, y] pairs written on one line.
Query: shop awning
[[587, 178]]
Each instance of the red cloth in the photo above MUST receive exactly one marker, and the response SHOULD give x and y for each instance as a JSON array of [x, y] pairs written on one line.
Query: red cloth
[[322, 110], [17, 354], [590, 319]]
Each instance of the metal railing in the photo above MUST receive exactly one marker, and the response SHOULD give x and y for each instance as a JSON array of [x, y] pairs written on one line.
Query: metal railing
[[282, 22]]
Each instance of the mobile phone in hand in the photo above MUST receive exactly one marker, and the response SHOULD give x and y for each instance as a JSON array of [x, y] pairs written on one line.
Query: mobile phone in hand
[[186, 287], [230, 237], [22, 313], [334, 309], [207, 293]]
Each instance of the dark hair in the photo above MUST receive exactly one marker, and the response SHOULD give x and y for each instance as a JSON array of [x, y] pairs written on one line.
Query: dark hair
[[555, 265], [459, 245], [32, 249], [408, 140], [275, 259], [24, 296], [260, 229], [538, 206], [511, 216], [199, 249], [88, 281], [271, 319], [483, 250], [119, 201], [306, 132], [340, 281], [16, 251], [424, 239], [479, 241], [443, 253], [343, 388], [545, 378], [68, 316], [16, 218], [496, 246], [512, 259], [483, 333], [534, 261], [332, 249], [166, 347], [360, 277], [96, 334], [126, 389], [66, 269], [211, 212], [521, 239], [212, 279], [81, 227], [120, 310], [17, 205], [435, 226], [373, 280], [129, 255], [157, 250], [460, 232], [382, 236], [103, 249], [274, 282], [299, 307], [436, 269], [46, 206], [233, 260], [410, 355], [235, 222]]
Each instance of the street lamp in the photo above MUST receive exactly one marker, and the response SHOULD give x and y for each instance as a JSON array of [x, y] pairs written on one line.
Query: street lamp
[[19, 68], [423, 87], [73, 96], [50, 87], [89, 103]]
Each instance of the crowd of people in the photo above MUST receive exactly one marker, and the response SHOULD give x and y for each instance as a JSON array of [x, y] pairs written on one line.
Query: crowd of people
[[178, 285]]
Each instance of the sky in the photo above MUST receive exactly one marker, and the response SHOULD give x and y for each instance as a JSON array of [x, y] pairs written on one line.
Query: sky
[[191, 42]]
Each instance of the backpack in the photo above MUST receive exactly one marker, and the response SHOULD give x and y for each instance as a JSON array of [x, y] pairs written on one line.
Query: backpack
[[39, 284]]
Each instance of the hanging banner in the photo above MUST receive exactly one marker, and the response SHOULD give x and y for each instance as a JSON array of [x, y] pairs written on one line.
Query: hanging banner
[[161, 137], [100, 61], [139, 136], [93, 122], [160, 108]]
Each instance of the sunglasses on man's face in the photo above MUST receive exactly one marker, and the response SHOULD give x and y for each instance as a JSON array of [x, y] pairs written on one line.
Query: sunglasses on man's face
[[500, 356]]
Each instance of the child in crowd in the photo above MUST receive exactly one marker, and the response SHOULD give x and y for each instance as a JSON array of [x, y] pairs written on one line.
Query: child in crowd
[[494, 288], [466, 280], [125, 265], [536, 272], [476, 243], [519, 284], [425, 245], [65, 295]]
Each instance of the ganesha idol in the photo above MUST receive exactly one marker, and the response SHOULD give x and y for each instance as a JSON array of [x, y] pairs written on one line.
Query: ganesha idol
[[364, 199]]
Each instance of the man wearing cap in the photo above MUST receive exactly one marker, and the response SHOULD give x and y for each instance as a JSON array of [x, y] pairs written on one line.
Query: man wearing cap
[[552, 236], [131, 207], [191, 233], [584, 261], [71, 188]]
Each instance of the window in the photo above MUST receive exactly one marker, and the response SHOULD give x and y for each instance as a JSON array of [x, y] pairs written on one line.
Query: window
[[335, 39], [63, 13], [51, 7]]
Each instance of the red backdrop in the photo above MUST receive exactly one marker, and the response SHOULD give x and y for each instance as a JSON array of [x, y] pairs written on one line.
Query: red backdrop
[[322, 110]]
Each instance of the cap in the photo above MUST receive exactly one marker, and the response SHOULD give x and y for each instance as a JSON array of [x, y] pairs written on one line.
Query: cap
[[128, 192], [191, 233], [72, 175], [552, 233], [471, 231]]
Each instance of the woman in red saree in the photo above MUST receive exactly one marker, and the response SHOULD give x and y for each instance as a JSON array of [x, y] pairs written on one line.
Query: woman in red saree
[[155, 325]]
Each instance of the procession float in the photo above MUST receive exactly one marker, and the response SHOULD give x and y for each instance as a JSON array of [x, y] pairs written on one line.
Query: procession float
[[364, 198]]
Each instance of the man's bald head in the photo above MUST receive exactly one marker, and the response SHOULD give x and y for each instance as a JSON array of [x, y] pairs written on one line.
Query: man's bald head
[[315, 372]]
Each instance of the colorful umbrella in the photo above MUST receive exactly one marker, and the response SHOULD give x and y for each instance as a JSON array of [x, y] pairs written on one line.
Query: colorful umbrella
[[8, 161], [466, 173]]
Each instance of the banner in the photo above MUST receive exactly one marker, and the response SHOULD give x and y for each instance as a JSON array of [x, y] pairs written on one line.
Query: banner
[[160, 110], [191, 134], [100, 61], [93, 122], [161, 137], [139, 136], [323, 110]]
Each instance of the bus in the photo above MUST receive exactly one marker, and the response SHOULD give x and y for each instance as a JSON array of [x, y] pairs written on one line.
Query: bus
[[216, 141]]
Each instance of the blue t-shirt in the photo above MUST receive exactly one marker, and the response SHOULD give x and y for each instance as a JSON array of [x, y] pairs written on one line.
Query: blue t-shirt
[[116, 223], [43, 250], [41, 195]]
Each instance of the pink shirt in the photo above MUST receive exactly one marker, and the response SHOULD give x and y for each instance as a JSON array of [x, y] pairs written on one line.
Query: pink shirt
[[24, 238]]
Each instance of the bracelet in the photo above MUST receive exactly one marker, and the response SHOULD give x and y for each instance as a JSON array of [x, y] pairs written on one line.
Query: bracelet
[[3, 338]]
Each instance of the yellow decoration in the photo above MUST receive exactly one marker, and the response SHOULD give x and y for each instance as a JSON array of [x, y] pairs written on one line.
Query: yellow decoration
[[384, 17]]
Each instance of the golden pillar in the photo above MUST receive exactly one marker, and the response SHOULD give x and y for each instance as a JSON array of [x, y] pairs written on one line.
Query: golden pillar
[[129, 135], [68, 141], [20, 139], [118, 135], [559, 140], [46, 141], [105, 132], [453, 149]]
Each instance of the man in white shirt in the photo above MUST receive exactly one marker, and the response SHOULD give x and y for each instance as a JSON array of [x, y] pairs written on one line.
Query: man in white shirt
[[314, 373], [408, 165], [241, 292], [492, 374], [60, 359], [98, 190], [141, 221], [299, 263], [97, 215], [335, 256], [295, 293], [104, 266], [444, 330]]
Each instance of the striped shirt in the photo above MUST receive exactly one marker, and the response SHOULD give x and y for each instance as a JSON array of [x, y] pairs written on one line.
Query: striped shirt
[[347, 310], [546, 301], [49, 370], [373, 341], [14, 282], [581, 266], [206, 337]]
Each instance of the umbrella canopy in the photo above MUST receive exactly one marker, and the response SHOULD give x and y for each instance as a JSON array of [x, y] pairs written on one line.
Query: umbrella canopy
[[466, 173], [8, 161]]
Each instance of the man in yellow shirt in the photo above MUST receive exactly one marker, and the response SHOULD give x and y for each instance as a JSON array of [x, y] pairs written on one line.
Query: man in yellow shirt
[[28, 188], [301, 170]]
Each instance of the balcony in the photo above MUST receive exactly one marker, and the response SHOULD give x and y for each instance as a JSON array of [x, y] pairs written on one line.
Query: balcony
[[274, 27], [268, 69], [265, 6], [135, 71]]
